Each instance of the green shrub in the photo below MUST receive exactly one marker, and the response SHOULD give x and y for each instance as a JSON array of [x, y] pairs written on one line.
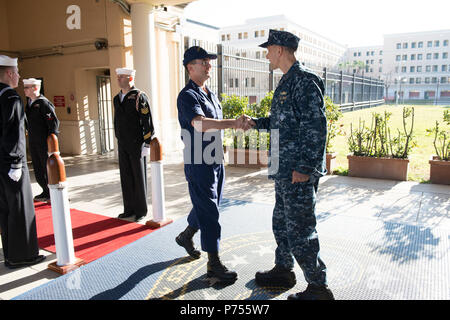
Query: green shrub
[[441, 141]]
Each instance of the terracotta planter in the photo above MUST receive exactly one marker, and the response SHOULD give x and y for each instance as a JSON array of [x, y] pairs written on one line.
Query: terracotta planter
[[331, 162], [378, 168], [247, 158], [439, 171]]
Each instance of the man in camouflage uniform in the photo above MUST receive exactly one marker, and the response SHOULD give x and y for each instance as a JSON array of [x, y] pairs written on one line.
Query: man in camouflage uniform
[[298, 116]]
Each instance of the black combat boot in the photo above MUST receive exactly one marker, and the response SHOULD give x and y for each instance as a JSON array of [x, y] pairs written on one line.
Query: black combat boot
[[279, 276], [313, 292], [215, 269], [184, 239]]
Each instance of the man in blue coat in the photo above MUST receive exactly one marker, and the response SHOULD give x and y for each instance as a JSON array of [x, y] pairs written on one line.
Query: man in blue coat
[[201, 121]]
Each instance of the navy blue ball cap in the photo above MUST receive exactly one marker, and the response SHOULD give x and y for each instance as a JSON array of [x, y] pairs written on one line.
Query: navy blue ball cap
[[197, 52], [281, 38]]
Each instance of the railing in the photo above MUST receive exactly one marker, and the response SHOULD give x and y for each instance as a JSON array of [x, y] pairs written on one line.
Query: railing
[[240, 72]]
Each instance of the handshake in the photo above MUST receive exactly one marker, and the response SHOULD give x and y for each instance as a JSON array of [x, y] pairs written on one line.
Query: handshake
[[244, 122]]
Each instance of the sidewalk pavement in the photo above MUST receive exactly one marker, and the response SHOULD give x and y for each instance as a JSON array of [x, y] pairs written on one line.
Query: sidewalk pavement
[[94, 186]]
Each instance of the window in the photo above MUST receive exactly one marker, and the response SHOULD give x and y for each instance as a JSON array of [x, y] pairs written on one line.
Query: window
[[396, 69], [413, 57], [231, 83], [262, 33], [445, 43], [436, 43], [420, 44], [256, 34], [444, 68], [359, 54], [381, 52], [223, 37], [435, 68], [427, 80], [444, 79], [380, 61], [412, 69], [253, 82], [245, 35], [418, 80], [354, 54], [236, 83], [413, 45], [228, 37], [419, 56], [444, 55], [405, 45], [411, 80], [428, 56], [428, 68], [404, 69], [371, 61], [367, 53], [436, 55], [372, 53], [380, 69], [405, 57], [429, 44], [397, 58], [434, 80], [419, 69], [240, 35], [258, 55], [399, 45]]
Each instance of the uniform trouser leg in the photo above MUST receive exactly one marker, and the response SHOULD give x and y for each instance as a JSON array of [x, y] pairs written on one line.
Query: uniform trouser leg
[[205, 189], [294, 227], [17, 218], [133, 179], [39, 159]]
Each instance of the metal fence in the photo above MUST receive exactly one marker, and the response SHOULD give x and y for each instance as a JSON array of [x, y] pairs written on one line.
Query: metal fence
[[244, 73]]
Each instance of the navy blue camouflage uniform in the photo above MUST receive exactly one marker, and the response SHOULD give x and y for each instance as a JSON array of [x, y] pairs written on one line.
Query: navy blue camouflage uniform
[[298, 113]]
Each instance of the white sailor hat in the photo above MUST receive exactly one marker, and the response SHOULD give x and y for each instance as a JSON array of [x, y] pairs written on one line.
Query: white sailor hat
[[6, 61], [31, 82], [126, 71]]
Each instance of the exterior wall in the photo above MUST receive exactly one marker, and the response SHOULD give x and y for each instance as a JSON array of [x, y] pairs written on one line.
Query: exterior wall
[[371, 56], [69, 63], [431, 69], [314, 49]]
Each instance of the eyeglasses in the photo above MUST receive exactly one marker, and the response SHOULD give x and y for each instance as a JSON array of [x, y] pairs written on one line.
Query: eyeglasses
[[203, 63]]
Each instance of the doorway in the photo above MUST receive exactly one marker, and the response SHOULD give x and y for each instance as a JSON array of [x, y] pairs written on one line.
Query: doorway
[[105, 114]]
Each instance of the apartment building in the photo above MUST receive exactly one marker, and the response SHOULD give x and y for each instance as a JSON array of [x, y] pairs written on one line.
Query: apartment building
[[418, 65], [368, 59], [314, 50]]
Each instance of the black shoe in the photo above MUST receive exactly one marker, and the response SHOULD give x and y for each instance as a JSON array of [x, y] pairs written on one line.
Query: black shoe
[[217, 271], [20, 264], [313, 292], [125, 215], [184, 239], [43, 197], [278, 276]]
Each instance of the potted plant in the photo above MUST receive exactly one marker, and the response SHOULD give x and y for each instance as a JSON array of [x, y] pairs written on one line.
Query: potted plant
[[440, 163], [246, 149], [375, 153], [333, 114]]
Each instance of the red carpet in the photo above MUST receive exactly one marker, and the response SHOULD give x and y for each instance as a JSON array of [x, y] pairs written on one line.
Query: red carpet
[[93, 235]]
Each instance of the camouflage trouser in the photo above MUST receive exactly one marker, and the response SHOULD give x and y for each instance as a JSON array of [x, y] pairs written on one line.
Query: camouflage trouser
[[294, 227]]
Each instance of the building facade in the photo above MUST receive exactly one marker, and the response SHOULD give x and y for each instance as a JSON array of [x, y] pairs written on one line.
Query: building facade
[[75, 49], [314, 50], [418, 65]]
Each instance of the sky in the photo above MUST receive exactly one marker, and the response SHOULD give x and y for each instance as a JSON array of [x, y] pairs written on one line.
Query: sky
[[349, 22]]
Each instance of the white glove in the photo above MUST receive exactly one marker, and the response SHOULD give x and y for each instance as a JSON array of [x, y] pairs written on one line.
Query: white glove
[[145, 151], [15, 174]]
